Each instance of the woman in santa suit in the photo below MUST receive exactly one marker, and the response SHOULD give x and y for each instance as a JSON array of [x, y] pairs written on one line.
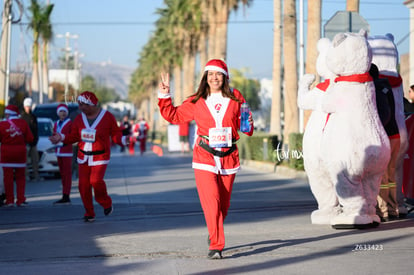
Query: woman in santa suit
[[93, 130], [14, 135], [215, 107], [64, 153]]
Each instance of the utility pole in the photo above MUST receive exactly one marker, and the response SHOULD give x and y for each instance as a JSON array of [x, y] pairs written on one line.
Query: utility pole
[[5, 54], [67, 49]]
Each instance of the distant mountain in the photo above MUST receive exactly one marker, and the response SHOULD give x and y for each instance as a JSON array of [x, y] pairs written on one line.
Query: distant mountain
[[109, 75]]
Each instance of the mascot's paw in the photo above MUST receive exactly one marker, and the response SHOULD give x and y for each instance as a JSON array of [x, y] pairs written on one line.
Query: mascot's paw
[[343, 221], [306, 80], [324, 216]]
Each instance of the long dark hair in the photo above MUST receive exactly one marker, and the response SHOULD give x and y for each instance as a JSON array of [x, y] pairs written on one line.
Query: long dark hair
[[203, 90]]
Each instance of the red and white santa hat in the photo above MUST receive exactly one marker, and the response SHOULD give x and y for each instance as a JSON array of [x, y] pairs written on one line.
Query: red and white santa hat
[[218, 66], [62, 107], [11, 110], [88, 98]]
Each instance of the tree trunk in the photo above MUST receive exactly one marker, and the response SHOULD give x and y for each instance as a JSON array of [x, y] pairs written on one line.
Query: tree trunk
[[275, 125], [221, 32], [212, 26], [291, 116], [314, 34], [178, 87], [202, 45], [352, 5], [45, 73]]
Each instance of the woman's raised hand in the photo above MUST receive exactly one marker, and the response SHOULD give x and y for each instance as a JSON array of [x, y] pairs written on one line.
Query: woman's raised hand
[[165, 83]]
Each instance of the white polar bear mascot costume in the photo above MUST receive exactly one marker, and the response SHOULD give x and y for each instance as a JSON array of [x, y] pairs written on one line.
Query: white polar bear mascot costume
[[385, 56], [355, 146], [321, 186]]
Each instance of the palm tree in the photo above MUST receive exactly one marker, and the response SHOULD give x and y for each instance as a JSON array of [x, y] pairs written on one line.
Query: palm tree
[[42, 28], [291, 116], [352, 5], [46, 34], [314, 34], [218, 14], [275, 125], [35, 25]]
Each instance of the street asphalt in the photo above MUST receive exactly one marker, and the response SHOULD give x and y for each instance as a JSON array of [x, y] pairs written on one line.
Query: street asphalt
[[158, 227]]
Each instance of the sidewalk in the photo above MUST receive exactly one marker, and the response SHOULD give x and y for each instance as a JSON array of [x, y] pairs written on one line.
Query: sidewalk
[[158, 228]]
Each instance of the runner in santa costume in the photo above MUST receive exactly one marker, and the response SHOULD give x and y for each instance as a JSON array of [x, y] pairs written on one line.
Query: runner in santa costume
[[64, 153], [215, 107], [92, 129], [14, 135], [143, 128]]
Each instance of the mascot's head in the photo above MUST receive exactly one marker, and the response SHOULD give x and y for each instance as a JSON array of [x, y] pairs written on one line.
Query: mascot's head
[[384, 53], [349, 54]]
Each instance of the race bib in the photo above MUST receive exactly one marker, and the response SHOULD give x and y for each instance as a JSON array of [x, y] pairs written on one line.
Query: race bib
[[88, 135], [219, 137]]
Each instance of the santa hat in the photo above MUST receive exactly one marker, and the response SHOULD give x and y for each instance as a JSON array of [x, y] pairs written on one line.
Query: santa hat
[[12, 110], [62, 107], [88, 98], [218, 66], [27, 102]]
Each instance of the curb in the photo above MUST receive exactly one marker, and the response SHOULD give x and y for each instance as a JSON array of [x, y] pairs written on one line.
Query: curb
[[269, 167]]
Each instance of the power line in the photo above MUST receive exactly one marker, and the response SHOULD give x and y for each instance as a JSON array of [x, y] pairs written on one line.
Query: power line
[[105, 23]]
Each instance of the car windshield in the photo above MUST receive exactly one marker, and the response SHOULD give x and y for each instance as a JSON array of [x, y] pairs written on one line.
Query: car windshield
[[45, 129]]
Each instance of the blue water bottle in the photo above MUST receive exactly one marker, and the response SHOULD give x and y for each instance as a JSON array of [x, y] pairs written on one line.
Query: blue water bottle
[[244, 120]]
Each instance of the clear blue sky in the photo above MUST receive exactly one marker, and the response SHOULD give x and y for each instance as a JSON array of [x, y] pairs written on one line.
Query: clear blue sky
[[250, 37]]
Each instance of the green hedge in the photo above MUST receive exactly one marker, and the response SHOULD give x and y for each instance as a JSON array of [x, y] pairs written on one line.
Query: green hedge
[[262, 147]]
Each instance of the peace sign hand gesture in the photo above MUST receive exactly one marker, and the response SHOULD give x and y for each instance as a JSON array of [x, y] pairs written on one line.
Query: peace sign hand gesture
[[165, 83]]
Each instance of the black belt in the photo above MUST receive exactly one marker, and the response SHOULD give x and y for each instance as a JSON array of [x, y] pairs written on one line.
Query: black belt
[[92, 153], [220, 154]]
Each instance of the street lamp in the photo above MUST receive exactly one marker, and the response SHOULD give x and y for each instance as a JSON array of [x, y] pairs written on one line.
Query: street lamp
[[67, 50]]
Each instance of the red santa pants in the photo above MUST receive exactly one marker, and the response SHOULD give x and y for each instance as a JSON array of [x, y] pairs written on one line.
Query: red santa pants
[[131, 147], [65, 168], [214, 192], [92, 177], [8, 179], [142, 145]]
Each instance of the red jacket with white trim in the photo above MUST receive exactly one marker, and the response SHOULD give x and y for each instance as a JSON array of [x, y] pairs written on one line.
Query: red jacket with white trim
[[203, 117], [14, 135], [99, 151], [65, 150]]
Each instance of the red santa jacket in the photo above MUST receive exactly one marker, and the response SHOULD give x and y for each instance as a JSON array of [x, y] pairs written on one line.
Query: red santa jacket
[[64, 128], [204, 118], [95, 140], [14, 134]]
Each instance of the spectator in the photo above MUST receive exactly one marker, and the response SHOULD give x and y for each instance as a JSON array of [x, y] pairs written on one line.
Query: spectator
[[93, 129], [14, 135], [387, 206], [409, 103], [32, 153]]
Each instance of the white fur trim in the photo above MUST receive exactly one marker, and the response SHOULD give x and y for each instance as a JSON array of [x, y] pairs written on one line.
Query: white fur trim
[[161, 95], [9, 112], [62, 109], [215, 68], [85, 100]]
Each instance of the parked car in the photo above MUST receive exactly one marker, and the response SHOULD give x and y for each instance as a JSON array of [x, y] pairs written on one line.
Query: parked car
[[49, 110], [47, 156]]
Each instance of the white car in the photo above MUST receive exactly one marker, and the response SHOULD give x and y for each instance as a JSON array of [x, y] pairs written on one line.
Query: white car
[[47, 154]]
